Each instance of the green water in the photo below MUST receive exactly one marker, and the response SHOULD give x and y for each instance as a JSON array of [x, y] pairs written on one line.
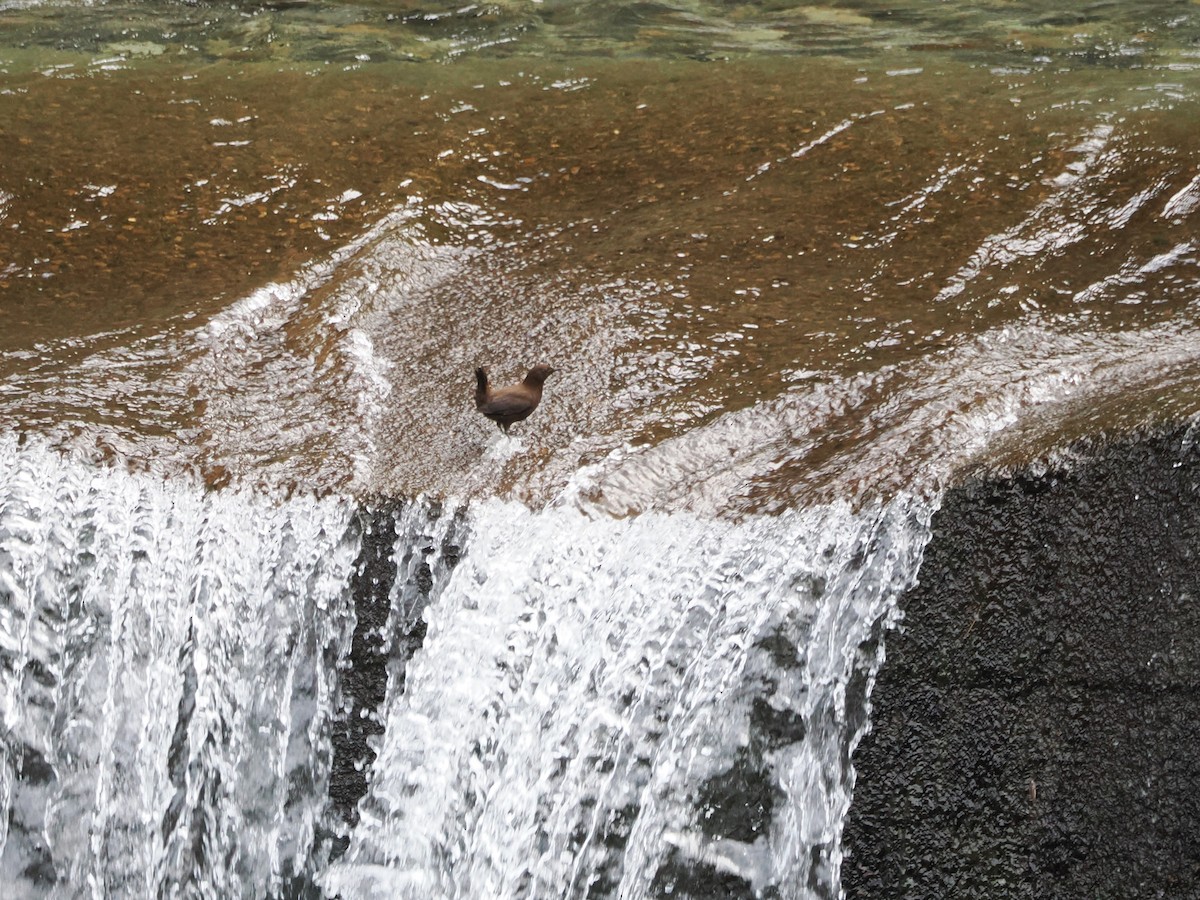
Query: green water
[[1030, 33]]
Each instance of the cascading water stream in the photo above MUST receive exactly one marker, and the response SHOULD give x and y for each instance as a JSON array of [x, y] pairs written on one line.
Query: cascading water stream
[[596, 697], [593, 702], [167, 679]]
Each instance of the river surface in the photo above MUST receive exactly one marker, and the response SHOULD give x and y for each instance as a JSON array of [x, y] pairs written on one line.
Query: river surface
[[798, 268]]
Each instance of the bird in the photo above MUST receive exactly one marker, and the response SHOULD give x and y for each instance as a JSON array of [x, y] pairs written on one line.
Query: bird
[[510, 404]]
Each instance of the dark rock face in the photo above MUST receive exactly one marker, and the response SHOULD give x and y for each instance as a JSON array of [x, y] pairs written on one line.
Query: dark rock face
[[1036, 723], [385, 638], [364, 678]]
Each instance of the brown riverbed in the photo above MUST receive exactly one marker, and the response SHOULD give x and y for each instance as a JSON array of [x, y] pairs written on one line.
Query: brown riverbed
[[682, 237]]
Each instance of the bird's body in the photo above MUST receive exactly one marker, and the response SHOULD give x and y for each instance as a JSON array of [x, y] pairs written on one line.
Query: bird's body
[[510, 404]]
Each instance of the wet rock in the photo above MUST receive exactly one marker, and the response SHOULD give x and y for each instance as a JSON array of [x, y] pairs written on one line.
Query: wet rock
[[390, 593], [1035, 723], [364, 679]]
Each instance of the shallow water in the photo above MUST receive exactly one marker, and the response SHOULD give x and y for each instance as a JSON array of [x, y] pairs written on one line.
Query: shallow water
[[796, 266], [844, 222], [681, 238]]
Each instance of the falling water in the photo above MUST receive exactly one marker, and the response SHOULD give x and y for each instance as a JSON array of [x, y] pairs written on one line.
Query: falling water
[[169, 661], [595, 696], [592, 698]]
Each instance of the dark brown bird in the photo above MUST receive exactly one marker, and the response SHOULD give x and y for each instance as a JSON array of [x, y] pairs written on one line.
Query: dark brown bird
[[511, 404]]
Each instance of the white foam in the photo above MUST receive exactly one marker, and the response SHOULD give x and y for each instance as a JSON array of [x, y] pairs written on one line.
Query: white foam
[[579, 668], [1183, 202], [164, 655], [942, 414]]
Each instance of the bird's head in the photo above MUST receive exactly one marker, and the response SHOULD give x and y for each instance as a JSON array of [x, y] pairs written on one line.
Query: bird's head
[[538, 374]]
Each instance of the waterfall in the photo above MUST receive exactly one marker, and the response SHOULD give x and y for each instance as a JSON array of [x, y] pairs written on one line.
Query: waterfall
[[166, 681], [602, 705], [567, 704]]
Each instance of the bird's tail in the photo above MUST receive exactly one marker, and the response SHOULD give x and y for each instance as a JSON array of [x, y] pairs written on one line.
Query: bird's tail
[[481, 386]]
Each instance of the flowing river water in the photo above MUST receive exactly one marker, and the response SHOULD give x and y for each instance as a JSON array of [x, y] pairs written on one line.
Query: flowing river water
[[282, 616]]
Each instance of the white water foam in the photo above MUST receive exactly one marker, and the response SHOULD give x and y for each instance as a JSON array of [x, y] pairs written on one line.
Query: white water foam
[[585, 682], [170, 676], [913, 427], [164, 690], [254, 393]]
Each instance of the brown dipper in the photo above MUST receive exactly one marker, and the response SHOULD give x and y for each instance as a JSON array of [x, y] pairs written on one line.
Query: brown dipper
[[510, 404]]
